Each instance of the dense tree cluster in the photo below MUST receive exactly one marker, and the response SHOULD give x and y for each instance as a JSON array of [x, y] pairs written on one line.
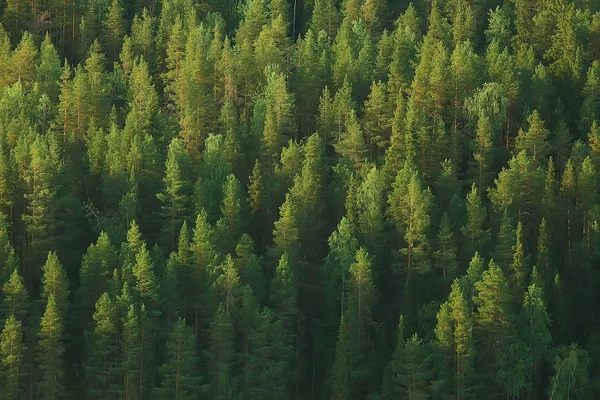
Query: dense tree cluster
[[318, 199]]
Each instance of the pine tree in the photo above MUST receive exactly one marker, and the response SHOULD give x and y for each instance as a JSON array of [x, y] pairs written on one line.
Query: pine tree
[[12, 358], [360, 292], [50, 353], [543, 259], [231, 225], [445, 256], [220, 356], [249, 266], [538, 337], [520, 262], [284, 295], [267, 359], [201, 272], [8, 258], [408, 370], [370, 212], [409, 205], [325, 17], [147, 285], [39, 196], [176, 197], [342, 251], [285, 233], [179, 374], [16, 297], [23, 60], [228, 288], [97, 267], [493, 320], [102, 362], [137, 353], [505, 241], [535, 140], [377, 118], [49, 69], [483, 147], [143, 102], [464, 346], [114, 29], [55, 283]]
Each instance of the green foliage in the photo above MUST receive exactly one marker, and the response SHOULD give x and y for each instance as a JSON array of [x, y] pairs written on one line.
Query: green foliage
[[238, 199], [179, 374], [50, 353]]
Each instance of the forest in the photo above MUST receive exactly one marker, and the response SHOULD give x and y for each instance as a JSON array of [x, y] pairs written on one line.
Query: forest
[[299, 199]]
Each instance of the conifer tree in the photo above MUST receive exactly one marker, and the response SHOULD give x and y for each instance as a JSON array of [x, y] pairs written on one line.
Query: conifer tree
[[50, 353], [39, 196], [102, 362], [137, 353], [325, 17], [505, 240], [445, 255], [267, 360], [543, 259], [534, 141], [220, 356], [12, 358], [201, 272], [493, 320], [284, 295], [249, 266], [538, 335], [350, 367], [176, 197], [228, 288], [8, 258], [408, 369], [16, 297], [409, 205], [114, 29], [147, 285], [520, 262], [23, 60], [55, 283], [377, 118], [49, 69], [285, 233], [179, 374], [342, 250], [231, 225], [96, 271], [483, 147], [143, 102]]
